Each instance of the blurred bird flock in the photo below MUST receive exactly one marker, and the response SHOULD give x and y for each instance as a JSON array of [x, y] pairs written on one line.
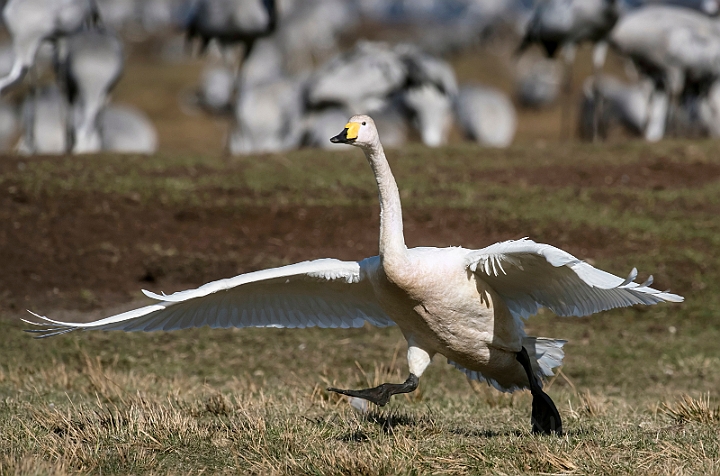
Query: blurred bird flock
[[284, 74], [212, 80]]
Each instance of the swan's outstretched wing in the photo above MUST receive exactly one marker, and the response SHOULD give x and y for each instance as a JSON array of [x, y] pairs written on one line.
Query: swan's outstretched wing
[[322, 293], [530, 275]]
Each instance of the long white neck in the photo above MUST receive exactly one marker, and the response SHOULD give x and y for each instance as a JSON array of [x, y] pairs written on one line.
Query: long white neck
[[392, 242]]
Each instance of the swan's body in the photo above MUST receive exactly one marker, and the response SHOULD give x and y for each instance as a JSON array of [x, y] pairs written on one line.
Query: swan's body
[[465, 304]]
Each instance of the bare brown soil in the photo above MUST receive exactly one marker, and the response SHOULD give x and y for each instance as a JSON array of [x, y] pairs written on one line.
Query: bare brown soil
[[657, 174], [89, 249]]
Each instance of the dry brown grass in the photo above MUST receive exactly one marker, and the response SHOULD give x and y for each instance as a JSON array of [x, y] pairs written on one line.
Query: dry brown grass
[[689, 409]]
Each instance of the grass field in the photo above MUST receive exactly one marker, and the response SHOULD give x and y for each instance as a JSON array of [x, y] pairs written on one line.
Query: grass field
[[638, 391]]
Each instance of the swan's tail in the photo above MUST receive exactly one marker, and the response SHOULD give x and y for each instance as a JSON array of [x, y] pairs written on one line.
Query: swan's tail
[[545, 354]]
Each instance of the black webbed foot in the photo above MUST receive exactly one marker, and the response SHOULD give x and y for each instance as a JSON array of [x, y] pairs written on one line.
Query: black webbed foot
[[545, 416], [381, 394]]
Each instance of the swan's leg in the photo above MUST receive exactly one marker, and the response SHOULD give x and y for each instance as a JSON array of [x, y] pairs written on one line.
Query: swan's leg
[[381, 394], [545, 417], [418, 360]]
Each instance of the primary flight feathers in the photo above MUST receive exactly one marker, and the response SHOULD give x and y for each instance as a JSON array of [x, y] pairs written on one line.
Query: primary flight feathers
[[531, 275], [334, 293]]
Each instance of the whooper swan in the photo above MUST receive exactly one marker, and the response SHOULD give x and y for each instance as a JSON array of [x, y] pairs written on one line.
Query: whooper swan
[[467, 305]]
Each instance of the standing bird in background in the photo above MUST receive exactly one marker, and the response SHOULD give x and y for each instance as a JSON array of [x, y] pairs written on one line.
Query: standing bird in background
[[229, 23], [30, 22], [486, 115], [428, 94], [126, 130], [45, 116], [626, 105], [562, 25], [677, 48], [91, 68], [468, 305]]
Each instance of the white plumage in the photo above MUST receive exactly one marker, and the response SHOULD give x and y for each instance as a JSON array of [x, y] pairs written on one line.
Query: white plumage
[[320, 293], [531, 275], [467, 305]]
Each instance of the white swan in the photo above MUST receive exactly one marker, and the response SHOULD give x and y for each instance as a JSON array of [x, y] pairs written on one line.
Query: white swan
[[467, 305]]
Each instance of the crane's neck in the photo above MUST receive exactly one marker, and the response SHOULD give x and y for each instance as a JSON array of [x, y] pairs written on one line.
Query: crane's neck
[[393, 251]]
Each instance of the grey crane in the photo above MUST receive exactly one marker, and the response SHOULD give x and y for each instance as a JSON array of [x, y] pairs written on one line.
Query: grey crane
[[126, 130], [708, 7], [214, 94], [45, 122], [30, 22], [9, 122], [268, 106], [308, 31], [709, 110], [486, 115], [428, 93], [374, 76], [92, 66], [563, 24], [537, 83], [362, 79], [390, 121], [268, 117], [230, 22], [625, 105], [675, 47]]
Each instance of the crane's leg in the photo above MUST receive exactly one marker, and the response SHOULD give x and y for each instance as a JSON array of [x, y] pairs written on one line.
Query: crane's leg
[[568, 54], [657, 116], [545, 416], [235, 94], [599, 55], [675, 84], [418, 360]]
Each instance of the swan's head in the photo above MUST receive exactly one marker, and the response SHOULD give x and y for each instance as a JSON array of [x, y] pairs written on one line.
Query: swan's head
[[359, 131]]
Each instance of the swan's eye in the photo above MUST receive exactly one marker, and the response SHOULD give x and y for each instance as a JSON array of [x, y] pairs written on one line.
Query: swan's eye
[[363, 123]]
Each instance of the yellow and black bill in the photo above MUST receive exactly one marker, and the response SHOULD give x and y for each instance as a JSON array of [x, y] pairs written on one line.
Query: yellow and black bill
[[348, 135]]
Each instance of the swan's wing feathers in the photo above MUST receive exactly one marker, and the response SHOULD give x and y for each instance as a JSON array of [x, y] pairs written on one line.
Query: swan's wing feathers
[[320, 293], [531, 275], [322, 270]]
